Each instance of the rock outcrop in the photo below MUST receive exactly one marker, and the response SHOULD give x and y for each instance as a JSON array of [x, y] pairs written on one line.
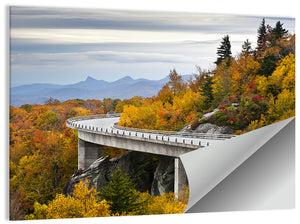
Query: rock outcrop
[[150, 173], [163, 180], [213, 129]]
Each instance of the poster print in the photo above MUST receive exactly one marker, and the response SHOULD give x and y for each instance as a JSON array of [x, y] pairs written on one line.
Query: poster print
[[111, 110]]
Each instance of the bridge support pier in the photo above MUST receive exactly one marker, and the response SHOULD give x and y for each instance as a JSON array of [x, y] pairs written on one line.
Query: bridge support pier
[[88, 153], [180, 179]]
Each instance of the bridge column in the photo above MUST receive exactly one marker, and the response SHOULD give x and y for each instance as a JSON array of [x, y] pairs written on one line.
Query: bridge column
[[88, 153], [180, 179]]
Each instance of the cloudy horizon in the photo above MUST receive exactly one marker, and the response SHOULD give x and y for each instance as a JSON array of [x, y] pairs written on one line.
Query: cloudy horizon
[[64, 45]]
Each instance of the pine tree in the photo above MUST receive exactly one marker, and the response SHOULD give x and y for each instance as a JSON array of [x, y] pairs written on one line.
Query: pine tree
[[224, 51], [246, 48], [261, 37], [120, 194], [279, 31], [207, 91]]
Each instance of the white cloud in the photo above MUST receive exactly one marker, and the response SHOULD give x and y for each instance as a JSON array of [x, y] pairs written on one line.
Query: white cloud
[[48, 41], [96, 58], [86, 36]]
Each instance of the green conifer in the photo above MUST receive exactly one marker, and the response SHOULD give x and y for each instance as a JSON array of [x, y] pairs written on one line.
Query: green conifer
[[261, 37], [224, 51], [120, 193], [279, 31]]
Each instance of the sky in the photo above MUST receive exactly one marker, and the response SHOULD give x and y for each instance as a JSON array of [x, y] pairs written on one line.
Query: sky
[[65, 45]]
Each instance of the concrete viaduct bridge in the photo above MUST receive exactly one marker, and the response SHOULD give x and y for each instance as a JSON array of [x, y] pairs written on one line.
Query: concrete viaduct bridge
[[96, 131]]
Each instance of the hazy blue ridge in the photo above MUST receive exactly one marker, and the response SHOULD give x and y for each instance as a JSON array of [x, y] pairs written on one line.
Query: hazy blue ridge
[[91, 88]]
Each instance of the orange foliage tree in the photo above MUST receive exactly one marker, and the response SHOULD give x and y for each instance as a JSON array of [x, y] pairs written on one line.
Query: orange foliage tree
[[43, 152]]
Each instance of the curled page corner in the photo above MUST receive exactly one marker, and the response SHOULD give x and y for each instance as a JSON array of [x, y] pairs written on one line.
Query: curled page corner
[[253, 171]]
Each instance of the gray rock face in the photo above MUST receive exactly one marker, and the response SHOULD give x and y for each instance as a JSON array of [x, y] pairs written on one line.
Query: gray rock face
[[211, 113], [163, 177], [96, 174], [150, 173], [213, 129]]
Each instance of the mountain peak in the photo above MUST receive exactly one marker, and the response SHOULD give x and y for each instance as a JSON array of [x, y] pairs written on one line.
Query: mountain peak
[[89, 78], [126, 78]]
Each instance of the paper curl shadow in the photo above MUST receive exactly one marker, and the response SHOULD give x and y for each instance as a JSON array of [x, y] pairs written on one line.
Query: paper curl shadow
[[254, 171]]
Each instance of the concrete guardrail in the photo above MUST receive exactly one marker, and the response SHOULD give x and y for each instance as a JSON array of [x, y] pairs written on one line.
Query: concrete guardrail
[[185, 137]]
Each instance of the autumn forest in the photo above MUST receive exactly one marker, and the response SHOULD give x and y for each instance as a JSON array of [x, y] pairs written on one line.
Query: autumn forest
[[250, 90]]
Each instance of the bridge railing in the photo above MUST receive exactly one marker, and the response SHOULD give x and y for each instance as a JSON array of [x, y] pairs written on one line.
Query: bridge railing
[[144, 133], [116, 126], [178, 134], [90, 117], [160, 136]]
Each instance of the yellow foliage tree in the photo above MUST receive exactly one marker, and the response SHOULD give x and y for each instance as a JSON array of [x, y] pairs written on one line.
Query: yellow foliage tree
[[222, 83], [280, 88], [165, 204], [135, 101], [129, 116], [257, 123], [188, 103], [288, 64], [81, 111], [278, 107], [282, 78], [284, 75], [82, 204], [140, 117], [243, 72], [262, 85]]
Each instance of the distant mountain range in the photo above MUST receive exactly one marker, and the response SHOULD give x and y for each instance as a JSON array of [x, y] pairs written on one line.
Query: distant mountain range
[[91, 88]]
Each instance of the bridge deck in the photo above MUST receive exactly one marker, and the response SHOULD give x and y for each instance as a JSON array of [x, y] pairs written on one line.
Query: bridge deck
[[103, 126]]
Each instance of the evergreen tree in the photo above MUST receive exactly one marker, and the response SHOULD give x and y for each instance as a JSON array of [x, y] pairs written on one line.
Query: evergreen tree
[[246, 48], [224, 51], [207, 91], [279, 31], [261, 37], [268, 65], [120, 194]]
